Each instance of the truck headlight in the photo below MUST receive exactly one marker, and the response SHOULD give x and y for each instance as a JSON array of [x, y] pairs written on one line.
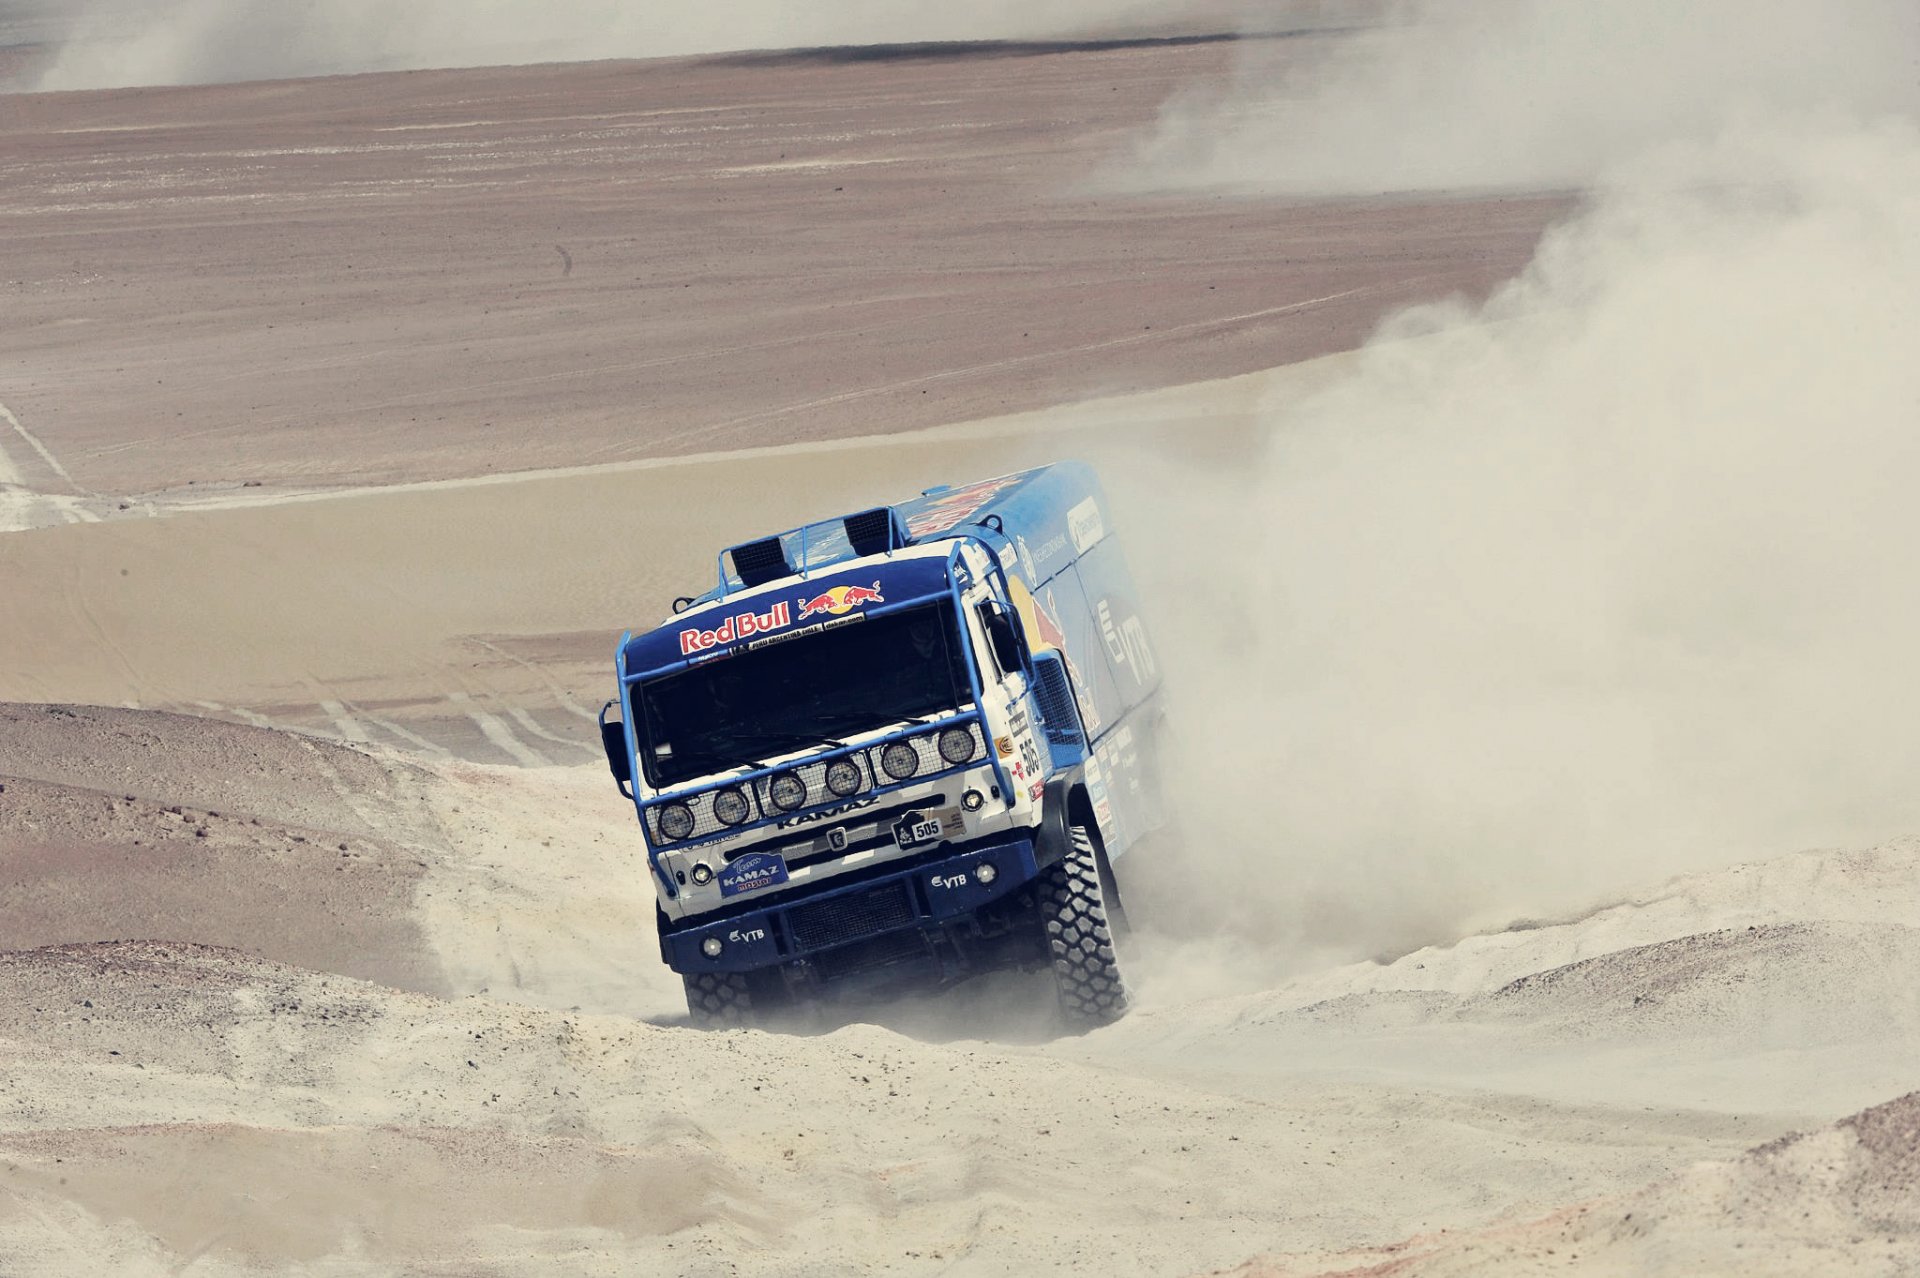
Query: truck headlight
[[900, 760], [843, 777], [711, 947], [702, 873], [956, 745], [730, 807], [676, 821], [788, 791]]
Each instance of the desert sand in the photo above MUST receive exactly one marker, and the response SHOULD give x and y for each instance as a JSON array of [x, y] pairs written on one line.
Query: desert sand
[[350, 421]]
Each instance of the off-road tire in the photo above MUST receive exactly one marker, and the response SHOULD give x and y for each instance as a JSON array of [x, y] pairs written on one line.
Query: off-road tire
[[1079, 939], [717, 1000]]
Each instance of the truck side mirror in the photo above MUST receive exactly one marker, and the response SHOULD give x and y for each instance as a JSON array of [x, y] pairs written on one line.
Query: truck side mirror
[[613, 739], [1003, 636]]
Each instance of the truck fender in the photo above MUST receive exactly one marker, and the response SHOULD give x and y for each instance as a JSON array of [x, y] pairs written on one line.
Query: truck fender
[[1052, 842]]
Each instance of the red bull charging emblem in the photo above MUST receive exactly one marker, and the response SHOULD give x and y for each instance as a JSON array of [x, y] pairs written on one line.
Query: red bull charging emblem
[[841, 600]]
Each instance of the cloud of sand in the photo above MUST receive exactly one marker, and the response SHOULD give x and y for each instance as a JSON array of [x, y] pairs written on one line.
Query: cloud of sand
[[1607, 578], [114, 44], [1494, 93]]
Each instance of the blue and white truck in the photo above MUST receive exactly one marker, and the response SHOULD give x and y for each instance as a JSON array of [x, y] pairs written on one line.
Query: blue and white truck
[[903, 745]]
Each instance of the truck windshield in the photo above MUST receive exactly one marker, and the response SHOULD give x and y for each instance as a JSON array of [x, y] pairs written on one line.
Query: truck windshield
[[805, 691]]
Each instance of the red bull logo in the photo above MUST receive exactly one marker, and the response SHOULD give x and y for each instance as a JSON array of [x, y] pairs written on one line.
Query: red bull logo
[[735, 628], [841, 600]]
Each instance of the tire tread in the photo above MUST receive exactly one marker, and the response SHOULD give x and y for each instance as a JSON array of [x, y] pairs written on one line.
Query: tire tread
[[1080, 939]]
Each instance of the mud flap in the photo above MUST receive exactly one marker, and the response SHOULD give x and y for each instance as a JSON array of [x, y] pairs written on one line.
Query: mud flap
[[1053, 840]]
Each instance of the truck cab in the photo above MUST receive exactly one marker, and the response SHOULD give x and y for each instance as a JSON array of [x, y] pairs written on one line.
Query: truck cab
[[899, 746]]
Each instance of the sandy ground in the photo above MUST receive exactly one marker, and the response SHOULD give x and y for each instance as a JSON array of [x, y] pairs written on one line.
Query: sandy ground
[[326, 945], [372, 1004], [1615, 1087]]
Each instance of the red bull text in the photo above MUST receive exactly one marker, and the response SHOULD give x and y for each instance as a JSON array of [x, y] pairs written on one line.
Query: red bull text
[[740, 626]]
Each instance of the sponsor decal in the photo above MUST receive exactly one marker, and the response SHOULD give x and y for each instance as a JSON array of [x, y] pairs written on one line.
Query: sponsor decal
[[744, 935], [1035, 790], [1085, 524], [1037, 560], [951, 508], [752, 871], [916, 828], [947, 882], [1127, 644], [841, 600], [822, 814], [817, 627], [1047, 620], [1017, 721], [1004, 745], [1030, 755], [837, 839], [735, 628]]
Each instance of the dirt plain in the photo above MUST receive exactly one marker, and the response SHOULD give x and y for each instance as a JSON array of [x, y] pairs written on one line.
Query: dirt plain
[[437, 274]]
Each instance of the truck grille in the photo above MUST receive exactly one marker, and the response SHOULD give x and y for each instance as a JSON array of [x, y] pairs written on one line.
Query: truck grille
[[850, 917], [875, 951]]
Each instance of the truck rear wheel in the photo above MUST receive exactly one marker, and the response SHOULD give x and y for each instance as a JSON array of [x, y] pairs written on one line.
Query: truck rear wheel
[[717, 1000], [1079, 938]]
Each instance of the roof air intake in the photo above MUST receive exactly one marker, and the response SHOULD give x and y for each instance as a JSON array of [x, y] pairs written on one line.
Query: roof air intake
[[876, 532], [759, 562]]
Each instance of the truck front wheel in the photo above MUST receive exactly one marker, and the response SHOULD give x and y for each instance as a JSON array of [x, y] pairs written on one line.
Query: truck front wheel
[[1079, 938], [716, 1000]]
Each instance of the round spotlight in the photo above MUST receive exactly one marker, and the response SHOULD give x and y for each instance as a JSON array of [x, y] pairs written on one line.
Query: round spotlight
[[703, 874], [956, 745], [900, 760], [843, 777], [973, 800], [731, 807], [985, 872], [711, 947], [676, 821], [788, 791]]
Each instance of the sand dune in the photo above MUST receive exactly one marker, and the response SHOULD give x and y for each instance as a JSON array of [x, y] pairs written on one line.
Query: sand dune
[[1838, 1199], [172, 1099]]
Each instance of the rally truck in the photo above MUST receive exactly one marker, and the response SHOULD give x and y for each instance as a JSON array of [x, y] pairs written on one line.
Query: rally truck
[[897, 747]]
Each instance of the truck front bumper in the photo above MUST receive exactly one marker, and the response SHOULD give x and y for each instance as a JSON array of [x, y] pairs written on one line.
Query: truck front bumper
[[922, 898]]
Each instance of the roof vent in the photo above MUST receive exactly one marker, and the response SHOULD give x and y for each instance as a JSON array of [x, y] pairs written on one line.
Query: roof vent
[[759, 562], [876, 532]]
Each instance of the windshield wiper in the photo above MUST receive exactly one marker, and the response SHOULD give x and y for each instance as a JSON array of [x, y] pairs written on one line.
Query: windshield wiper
[[796, 738], [891, 714], [710, 757]]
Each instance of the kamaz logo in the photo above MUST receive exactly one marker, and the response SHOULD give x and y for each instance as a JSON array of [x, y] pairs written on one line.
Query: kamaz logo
[[808, 818]]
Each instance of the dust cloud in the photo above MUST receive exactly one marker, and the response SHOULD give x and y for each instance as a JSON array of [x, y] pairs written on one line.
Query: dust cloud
[[1608, 577], [114, 44], [1438, 94]]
